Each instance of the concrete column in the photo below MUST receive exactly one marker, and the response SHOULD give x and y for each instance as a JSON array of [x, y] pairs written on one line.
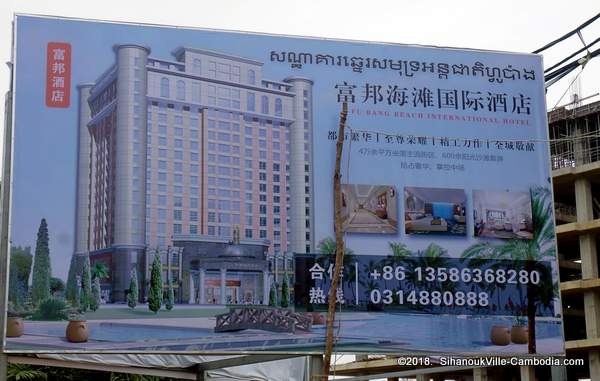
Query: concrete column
[[129, 207], [480, 374], [315, 367], [587, 242], [192, 297], [222, 285], [559, 373], [256, 283], [275, 267], [589, 270], [83, 167], [591, 303], [527, 373], [594, 360], [201, 291], [297, 237], [266, 287]]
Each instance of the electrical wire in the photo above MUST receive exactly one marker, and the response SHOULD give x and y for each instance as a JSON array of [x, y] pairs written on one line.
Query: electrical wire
[[568, 87], [491, 140], [572, 65], [586, 47], [580, 27]]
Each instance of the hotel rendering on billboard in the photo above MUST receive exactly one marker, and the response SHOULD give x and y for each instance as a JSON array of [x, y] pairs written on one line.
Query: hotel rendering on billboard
[[181, 186], [188, 149]]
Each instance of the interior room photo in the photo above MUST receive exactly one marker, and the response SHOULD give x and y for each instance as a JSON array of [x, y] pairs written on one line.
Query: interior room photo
[[502, 214], [434, 211], [369, 209]]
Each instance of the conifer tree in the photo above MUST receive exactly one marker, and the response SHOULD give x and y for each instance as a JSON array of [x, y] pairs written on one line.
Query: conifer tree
[[273, 295], [170, 296], [86, 299], [40, 285], [155, 297], [96, 299], [134, 294], [71, 292], [285, 292]]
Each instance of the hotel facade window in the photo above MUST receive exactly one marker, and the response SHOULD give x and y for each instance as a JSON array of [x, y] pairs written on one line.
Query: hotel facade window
[[180, 90], [264, 104], [164, 87], [197, 66]]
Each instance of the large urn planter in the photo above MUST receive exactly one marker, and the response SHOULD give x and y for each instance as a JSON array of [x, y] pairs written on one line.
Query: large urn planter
[[500, 335], [318, 319], [14, 327], [519, 334], [77, 331]]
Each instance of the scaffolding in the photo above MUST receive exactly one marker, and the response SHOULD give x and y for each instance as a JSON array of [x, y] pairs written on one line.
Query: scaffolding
[[574, 135]]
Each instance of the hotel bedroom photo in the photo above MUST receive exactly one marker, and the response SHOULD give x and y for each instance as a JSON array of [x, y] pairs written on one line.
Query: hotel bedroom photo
[[502, 214], [435, 211]]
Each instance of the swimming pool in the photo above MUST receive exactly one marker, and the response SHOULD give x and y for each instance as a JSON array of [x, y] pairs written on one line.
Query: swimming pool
[[381, 331], [450, 332], [115, 332]]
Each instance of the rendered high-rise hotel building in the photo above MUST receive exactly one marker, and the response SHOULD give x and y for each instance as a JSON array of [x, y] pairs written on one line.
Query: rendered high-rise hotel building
[[190, 148]]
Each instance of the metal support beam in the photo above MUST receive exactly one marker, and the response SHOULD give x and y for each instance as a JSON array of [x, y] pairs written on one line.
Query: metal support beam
[[412, 373], [179, 374], [182, 373], [241, 360]]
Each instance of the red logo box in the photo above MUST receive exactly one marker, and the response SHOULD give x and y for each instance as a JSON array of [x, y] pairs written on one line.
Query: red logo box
[[58, 75]]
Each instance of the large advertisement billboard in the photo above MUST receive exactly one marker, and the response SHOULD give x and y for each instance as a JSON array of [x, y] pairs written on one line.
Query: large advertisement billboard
[[172, 190]]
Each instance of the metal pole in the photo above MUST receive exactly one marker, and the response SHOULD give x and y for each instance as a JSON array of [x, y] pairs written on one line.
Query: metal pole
[[4, 222]]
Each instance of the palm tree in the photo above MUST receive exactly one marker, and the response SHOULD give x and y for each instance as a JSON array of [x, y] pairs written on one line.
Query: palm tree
[[399, 251], [100, 270], [433, 256], [326, 249], [542, 247], [25, 372], [370, 284], [400, 254]]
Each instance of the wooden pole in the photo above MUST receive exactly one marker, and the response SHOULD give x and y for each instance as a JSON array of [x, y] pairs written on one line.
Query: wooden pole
[[339, 242]]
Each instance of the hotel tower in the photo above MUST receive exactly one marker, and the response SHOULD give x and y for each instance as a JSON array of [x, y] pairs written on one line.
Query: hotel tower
[[198, 148]]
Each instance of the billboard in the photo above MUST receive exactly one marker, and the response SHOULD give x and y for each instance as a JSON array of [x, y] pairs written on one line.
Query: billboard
[[173, 188]]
